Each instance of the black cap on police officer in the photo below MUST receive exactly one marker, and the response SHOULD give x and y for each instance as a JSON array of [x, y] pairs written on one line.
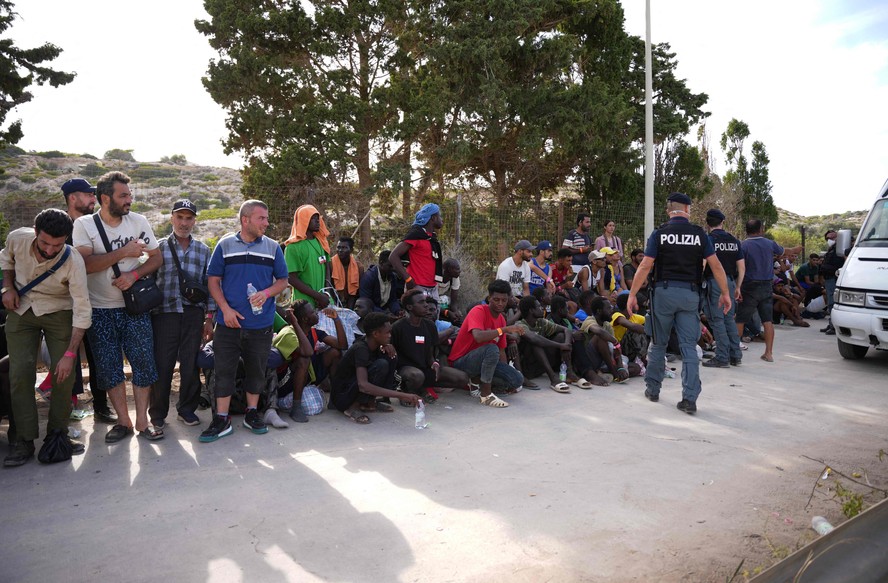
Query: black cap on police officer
[[678, 203]]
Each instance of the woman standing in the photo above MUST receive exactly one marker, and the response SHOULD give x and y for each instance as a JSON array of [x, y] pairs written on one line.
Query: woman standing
[[608, 239]]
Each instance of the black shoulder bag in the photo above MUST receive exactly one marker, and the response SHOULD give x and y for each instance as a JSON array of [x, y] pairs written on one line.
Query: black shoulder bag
[[144, 294], [193, 291]]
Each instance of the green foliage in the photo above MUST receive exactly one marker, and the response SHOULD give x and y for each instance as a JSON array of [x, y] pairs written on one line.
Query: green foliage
[[20, 69], [209, 178], [216, 213], [140, 207], [11, 151], [752, 182], [175, 159], [164, 182], [211, 242], [28, 178], [119, 154], [93, 170], [50, 154], [88, 156], [146, 172], [679, 168], [786, 236], [852, 502], [4, 228]]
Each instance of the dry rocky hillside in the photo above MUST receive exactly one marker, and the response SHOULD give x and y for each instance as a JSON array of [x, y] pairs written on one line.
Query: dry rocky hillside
[[31, 182]]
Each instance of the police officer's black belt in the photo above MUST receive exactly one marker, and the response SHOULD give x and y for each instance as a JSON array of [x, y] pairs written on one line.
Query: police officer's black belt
[[677, 283]]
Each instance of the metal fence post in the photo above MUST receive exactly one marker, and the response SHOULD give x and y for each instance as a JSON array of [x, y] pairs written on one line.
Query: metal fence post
[[458, 225]]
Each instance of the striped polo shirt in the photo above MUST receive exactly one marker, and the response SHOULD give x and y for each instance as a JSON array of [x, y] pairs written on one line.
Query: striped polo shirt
[[238, 263]]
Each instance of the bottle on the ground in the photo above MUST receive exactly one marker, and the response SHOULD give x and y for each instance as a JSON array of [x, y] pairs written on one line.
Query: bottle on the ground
[[562, 372], [821, 525]]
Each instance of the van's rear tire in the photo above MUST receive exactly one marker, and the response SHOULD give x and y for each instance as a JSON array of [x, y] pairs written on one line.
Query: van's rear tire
[[851, 351]]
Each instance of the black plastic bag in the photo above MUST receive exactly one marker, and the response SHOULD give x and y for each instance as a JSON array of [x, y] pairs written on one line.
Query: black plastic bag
[[56, 447]]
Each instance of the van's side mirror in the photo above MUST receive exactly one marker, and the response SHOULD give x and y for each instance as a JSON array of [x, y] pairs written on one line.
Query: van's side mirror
[[843, 242]]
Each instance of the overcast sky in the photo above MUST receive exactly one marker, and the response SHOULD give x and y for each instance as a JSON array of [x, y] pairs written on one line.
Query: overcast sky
[[810, 78]]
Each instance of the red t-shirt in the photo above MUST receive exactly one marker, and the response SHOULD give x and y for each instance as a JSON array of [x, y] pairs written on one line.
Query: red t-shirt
[[559, 277], [422, 263], [478, 318]]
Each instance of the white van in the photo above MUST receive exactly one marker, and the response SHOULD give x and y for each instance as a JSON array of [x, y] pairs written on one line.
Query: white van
[[860, 312]]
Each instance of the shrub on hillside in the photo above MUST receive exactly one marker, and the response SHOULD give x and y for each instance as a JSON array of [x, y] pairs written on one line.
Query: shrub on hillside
[[210, 214], [119, 154], [50, 154], [92, 170], [175, 159]]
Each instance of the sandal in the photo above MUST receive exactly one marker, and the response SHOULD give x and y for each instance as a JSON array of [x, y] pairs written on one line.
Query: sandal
[[561, 388], [582, 383], [152, 433], [492, 400], [354, 416]]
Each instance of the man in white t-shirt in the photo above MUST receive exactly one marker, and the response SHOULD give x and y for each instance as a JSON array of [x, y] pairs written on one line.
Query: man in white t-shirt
[[516, 269], [114, 332]]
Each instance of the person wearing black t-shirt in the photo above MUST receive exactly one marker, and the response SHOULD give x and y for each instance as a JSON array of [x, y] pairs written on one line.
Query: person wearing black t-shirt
[[366, 372], [415, 339]]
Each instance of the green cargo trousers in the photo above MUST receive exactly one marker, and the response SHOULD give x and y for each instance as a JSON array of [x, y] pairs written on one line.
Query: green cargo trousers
[[23, 337]]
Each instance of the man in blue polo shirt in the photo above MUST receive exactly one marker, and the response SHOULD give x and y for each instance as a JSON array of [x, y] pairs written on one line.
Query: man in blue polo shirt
[[757, 286], [246, 273], [676, 252]]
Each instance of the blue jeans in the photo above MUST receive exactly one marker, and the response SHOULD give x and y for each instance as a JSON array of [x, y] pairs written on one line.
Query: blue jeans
[[484, 363], [724, 328], [830, 286], [678, 307]]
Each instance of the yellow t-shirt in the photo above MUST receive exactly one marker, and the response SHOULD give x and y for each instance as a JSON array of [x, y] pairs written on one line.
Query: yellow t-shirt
[[620, 331]]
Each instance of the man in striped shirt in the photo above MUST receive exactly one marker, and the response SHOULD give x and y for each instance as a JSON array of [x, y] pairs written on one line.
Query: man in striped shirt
[[579, 242], [246, 273]]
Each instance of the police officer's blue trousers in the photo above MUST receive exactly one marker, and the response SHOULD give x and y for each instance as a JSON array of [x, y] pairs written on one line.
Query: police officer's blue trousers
[[724, 327], [679, 307]]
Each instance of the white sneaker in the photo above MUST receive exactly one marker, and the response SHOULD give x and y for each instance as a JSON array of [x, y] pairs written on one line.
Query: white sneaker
[[743, 346]]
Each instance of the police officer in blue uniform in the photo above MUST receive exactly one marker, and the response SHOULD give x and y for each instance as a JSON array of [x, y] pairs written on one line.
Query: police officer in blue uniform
[[727, 249], [675, 252]]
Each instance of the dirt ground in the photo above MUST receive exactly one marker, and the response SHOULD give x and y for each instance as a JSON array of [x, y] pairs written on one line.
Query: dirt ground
[[598, 485]]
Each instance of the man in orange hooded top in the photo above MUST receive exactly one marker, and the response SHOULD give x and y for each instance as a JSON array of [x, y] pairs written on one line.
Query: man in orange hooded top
[[307, 253]]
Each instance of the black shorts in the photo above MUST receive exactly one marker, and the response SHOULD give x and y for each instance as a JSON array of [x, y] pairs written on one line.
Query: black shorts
[[758, 296], [230, 345]]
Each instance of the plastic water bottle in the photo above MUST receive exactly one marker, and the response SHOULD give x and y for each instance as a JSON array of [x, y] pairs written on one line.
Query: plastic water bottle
[[444, 303], [562, 372], [821, 525], [251, 289], [421, 422]]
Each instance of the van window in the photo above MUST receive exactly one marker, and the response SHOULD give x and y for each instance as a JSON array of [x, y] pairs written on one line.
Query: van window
[[875, 231]]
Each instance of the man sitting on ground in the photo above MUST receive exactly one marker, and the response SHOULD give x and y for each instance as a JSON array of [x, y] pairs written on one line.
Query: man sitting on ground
[[366, 372], [480, 347], [545, 345], [415, 340], [610, 353], [383, 287], [562, 273]]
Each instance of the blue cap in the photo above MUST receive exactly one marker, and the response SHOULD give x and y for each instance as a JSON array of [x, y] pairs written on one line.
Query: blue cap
[[679, 197], [77, 185], [543, 246]]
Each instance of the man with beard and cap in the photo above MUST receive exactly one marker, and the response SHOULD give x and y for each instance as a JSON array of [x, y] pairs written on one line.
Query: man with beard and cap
[[727, 248], [423, 250], [346, 272], [516, 269], [56, 307], [307, 252], [115, 332], [80, 199], [675, 252]]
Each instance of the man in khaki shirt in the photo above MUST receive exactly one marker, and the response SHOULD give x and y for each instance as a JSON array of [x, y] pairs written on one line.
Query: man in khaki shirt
[[58, 307]]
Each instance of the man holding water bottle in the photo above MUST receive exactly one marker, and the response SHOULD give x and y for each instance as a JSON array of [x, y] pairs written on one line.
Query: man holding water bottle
[[246, 273]]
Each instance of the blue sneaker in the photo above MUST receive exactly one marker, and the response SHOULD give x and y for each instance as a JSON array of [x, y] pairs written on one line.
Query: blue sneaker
[[220, 427], [254, 422]]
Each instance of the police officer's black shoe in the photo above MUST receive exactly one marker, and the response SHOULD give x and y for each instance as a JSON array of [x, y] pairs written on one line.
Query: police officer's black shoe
[[687, 406], [735, 362], [650, 396], [716, 363]]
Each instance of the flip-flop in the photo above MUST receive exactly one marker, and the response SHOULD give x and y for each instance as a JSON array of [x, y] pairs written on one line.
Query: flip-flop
[[767, 358], [582, 383], [561, 388], [151, 433]]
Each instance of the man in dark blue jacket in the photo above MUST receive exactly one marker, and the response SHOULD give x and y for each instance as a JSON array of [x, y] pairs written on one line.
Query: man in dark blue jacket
[[382, 286]]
